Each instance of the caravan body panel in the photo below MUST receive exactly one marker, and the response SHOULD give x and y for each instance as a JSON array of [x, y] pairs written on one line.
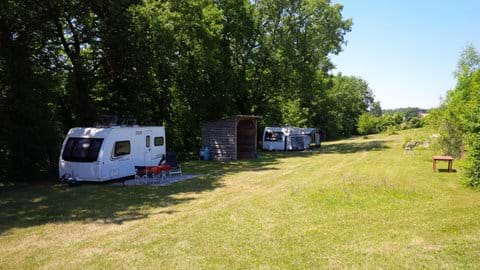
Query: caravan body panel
[[274, 139]]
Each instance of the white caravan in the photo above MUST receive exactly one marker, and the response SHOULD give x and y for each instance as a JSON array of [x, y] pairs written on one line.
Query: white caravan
[[289, 138], [107, 153]]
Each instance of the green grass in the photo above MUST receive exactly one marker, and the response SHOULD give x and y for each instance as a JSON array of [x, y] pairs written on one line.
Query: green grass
[[358, 203]]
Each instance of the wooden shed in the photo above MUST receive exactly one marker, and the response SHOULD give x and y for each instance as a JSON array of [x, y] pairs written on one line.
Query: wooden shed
[[231, 138]]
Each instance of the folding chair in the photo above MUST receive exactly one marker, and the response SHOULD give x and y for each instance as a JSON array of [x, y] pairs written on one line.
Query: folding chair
[[171, 159]]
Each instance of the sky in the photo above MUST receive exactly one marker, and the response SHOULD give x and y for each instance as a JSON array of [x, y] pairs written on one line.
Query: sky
[[407, 50]]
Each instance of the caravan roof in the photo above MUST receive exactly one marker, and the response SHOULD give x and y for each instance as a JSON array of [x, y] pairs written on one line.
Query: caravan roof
[[292, 130], [101, 132]]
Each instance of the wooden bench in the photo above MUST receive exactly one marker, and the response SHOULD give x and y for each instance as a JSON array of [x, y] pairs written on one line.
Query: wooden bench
[[444, 158]]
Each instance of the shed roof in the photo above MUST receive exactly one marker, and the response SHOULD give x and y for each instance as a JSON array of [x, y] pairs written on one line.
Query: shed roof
[[288, 130], [236, 117]]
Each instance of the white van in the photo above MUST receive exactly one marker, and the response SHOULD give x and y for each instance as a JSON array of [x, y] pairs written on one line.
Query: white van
[[110, 153]]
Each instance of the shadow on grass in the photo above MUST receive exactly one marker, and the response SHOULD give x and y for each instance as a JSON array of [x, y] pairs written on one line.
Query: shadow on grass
[[348, 148], [23, 207], [446, 171], [27, 206]]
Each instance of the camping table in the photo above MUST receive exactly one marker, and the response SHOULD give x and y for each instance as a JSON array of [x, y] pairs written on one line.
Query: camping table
[[445, 158]]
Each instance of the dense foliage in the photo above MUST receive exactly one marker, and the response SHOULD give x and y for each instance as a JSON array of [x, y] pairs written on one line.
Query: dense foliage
[[172, 63], [458, 118], [348, 98], [390, 121]]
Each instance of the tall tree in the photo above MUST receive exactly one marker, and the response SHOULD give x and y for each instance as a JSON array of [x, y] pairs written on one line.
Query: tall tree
[[28, 137], [125, 86], [174, 63], [295, 40], [348, 98], [76, 30]]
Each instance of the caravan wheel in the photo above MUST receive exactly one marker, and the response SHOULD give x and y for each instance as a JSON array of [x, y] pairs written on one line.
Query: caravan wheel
[[73, 182]]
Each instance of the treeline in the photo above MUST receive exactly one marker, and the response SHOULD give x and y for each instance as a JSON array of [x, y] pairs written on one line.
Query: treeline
[[391, 121], [408, 112], [173, 63], [457, 120]]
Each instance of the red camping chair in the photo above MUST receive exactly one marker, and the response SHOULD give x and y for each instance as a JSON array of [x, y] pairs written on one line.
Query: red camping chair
[[153, 171]]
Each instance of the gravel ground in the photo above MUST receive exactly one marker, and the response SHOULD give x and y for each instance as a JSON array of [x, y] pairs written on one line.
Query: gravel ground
[[157, 181]]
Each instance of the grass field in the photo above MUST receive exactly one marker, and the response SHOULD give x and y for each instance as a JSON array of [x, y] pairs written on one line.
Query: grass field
[[357, 203]]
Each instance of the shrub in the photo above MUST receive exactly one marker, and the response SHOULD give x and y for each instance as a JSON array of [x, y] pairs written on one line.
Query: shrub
[[451, 138], [368, 124], [473, 160], [450, 129], [457, 120], [391, 119], [414, 122], [392, 130]]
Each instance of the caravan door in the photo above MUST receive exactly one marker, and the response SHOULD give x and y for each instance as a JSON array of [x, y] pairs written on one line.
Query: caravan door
[[147, 154], [158, 146], [122, 158]]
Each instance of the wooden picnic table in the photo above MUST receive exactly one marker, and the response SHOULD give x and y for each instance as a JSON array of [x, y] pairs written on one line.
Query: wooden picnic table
[[444, 158]]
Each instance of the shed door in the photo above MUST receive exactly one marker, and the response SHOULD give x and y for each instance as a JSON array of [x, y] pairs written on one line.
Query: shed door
[[246, 144]]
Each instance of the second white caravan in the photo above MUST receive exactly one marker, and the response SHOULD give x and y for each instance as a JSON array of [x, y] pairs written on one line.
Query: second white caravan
[[107, 153], [290, 138]]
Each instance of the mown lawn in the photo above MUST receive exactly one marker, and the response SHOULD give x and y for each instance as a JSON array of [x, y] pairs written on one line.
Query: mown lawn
[[358, 203]]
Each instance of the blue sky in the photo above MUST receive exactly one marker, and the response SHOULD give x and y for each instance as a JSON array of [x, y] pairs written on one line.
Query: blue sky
[[408, 50]]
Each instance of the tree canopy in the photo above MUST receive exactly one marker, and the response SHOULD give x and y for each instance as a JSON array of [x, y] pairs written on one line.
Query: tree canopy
[[172, 63]]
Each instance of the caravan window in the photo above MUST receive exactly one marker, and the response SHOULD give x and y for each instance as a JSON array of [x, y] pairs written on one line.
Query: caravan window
[[273, 136], [158, 141], [147, 141], [121, 148], [82, 149]]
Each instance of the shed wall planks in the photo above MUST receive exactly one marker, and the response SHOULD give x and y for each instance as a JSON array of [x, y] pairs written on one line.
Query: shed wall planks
[[231, 138]]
